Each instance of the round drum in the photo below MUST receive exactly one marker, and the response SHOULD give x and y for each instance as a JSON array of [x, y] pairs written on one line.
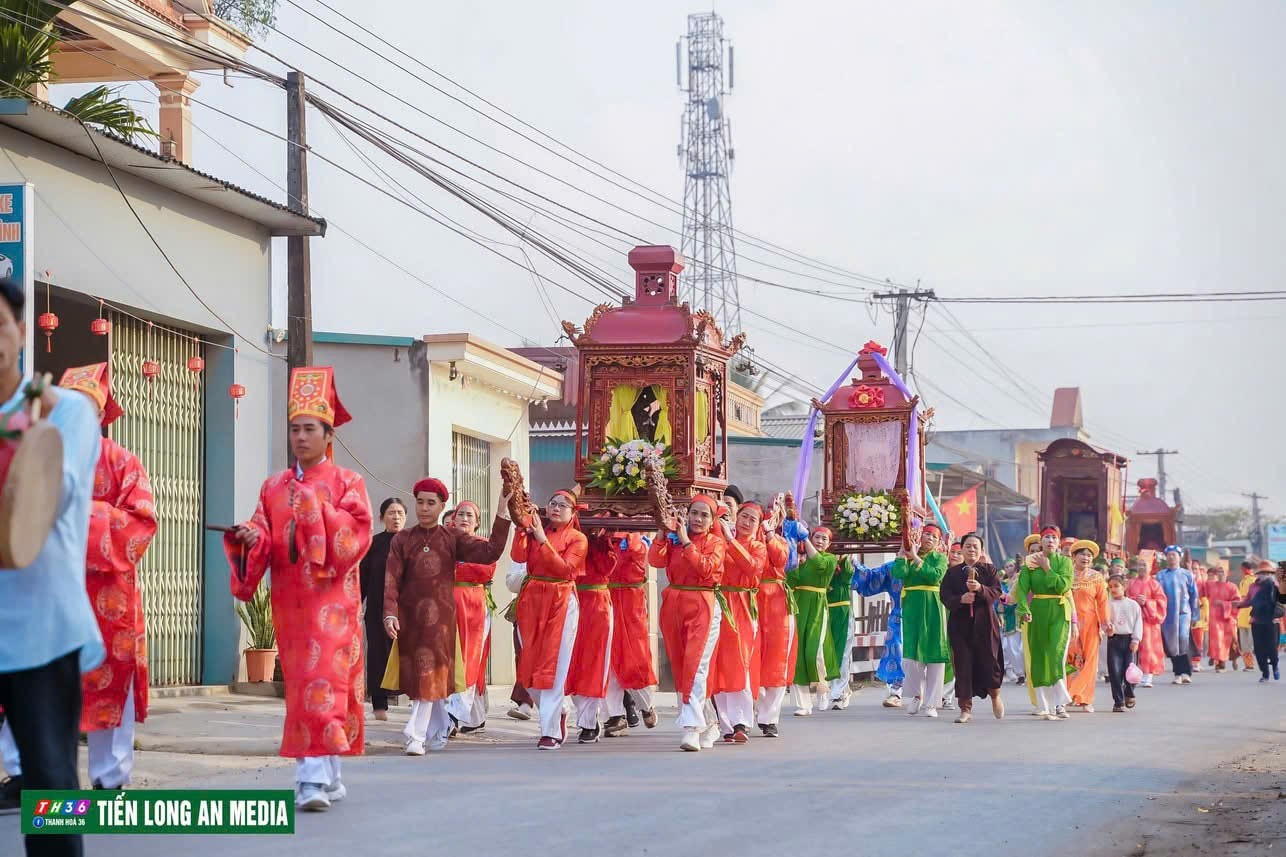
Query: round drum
[[30, 487]]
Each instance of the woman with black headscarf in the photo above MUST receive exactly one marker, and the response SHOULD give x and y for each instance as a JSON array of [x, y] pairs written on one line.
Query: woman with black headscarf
[[378, 644]]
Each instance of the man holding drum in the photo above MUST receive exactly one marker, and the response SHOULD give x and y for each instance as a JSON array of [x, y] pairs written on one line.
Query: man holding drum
[[50, 634]]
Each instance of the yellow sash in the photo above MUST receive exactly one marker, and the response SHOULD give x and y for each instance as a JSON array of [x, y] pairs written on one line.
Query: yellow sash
[[823, 590], [1067, 603]]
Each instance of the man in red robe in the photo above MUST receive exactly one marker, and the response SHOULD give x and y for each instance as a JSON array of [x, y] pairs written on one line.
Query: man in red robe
[[632, 671], [587, 674], [1223, 597], [312, 527], [1151, 598], [732, 687], [122, 522]]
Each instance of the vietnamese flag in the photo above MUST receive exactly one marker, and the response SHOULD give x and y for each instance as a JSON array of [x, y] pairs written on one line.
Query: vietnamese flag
[[961, 512]]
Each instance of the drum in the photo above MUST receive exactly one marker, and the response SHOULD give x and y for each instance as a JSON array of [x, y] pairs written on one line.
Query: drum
[[31, 476]]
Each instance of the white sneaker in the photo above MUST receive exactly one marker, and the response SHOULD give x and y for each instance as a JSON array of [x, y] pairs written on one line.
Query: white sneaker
[[913, 707], [1089, 709], [930, 712], [1187, 679], [709, 736], [803, 712], [1147, 682], [691, 741], [1040, 712], [311, 797], [520, 712], [414, 748], [948, 704], [892, 701], [1060, 713], [336, 791], [438, 744]]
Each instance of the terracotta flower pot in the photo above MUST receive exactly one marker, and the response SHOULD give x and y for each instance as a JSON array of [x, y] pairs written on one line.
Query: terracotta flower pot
[[259, 664]]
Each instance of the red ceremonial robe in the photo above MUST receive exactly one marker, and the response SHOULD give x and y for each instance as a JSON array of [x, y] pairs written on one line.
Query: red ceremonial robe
[[1223, 618], [316, 599], [587, 674], [122, 522], [631, 646], [1153, 603], [744, 563], [471, 609], [552, 569], [774, 661], [687, 604]]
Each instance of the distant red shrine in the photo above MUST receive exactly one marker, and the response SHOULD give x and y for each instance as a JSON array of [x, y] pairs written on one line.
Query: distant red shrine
[[1152, 523], [1082, 492]]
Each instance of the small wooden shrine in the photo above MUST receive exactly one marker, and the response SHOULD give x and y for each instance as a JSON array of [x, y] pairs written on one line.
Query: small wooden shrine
[[1151, 523], [1082, 492], [873, 442], [651, 370]]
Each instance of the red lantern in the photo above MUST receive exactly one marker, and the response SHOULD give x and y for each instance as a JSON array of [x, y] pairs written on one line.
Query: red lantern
[[195, 364], [237, 392], [100, 327], [48, 323]]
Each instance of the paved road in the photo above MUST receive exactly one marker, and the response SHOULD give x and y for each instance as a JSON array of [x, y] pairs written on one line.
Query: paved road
[[874, 780]]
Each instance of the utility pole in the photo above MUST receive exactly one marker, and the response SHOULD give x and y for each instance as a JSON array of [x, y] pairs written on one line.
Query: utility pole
[[1256, 524], [1160, 454], [299, 301], [901, 315]]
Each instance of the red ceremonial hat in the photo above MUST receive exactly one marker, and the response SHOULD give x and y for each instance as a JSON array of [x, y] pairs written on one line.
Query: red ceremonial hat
[[932, 527], [94, 381], [751, 504], [826, 530], [472, 505], [433, 486], [1045, 531], [313, 394]]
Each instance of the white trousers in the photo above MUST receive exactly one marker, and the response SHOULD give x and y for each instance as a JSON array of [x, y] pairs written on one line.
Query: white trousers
[[1048, 698], [428, 722], [323, 770], [806, 699], [895, 690], [1011, 646], [839, 686], [924, 681], [468, 706], [615, 702], [770, 700], [949, 688], [9, 751], [552, 702], [735, 709], [692, 714], [111, 751]]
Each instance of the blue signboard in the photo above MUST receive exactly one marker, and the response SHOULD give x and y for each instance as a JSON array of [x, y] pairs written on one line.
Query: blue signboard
[[1277, 542], [17, 253]]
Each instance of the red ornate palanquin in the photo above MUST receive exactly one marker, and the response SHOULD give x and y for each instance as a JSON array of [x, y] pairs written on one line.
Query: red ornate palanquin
[[656, 347], [867, 425], [1152, 523], [1082, 491]]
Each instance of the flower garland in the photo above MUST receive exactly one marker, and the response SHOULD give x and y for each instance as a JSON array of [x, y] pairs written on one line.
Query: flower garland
[[873, 517], [619, 470]]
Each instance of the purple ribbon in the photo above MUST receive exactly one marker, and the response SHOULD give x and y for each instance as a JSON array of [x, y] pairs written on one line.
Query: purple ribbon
[[806, 447], [913, 432]]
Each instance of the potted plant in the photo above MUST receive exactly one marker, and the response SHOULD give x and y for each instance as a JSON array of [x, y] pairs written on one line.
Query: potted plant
[[256, 615]]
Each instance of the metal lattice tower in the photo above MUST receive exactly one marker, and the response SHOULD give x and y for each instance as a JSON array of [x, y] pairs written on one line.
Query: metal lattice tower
[[710, 281]]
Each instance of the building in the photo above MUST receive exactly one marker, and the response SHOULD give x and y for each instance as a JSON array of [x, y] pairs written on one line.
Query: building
[[449, 405], [94, 259]]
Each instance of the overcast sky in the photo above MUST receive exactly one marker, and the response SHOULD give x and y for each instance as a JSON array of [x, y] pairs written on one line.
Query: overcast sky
[[981, 148]]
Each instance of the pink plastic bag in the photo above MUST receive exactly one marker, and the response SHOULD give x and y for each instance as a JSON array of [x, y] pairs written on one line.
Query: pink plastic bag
[[1133, 674]]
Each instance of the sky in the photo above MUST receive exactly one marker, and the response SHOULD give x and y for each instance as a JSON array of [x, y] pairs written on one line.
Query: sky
[[998, 147]]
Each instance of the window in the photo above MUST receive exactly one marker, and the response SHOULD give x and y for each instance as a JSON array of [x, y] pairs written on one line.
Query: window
[[471, 476]]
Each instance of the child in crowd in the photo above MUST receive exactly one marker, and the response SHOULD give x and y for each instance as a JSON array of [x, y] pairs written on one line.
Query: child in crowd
[[1124, 634]]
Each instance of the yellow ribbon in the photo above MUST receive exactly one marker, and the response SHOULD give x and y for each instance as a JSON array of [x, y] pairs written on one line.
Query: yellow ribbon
[[1066, 598], [754, 602], [588, 587], [639, 585], [920, 589], [718, 596], [491, 601], [823, 590]]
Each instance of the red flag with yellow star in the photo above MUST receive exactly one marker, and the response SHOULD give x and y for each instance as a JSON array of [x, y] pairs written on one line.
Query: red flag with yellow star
[[961, 512]]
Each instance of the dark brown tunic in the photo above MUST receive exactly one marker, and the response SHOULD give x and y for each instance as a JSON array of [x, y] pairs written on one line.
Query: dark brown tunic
[[419, 584], [975, 639]]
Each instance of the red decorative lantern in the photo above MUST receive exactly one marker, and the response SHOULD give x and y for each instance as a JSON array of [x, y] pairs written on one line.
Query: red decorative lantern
[[150, 370], [48, 322], [237, 392], [195, 364], [100, 327]]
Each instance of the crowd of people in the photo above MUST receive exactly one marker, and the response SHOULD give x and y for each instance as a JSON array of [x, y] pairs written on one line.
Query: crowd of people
[[756, 607]]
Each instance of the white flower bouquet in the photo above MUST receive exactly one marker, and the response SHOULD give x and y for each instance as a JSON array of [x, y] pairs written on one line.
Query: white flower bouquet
[[873, 517], [619, 468]]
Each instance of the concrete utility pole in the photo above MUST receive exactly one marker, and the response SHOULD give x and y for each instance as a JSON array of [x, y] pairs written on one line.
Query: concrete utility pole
[[299, 301], [901, 315], [1160, 454], [1256, 524]]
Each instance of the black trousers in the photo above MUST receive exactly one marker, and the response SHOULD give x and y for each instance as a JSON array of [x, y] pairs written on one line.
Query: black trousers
[[42, 706], [1119, 657], [1182, 664], [1265, 636]]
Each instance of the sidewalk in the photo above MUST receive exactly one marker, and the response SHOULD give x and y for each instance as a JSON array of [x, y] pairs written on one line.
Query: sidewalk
[[229, 724]]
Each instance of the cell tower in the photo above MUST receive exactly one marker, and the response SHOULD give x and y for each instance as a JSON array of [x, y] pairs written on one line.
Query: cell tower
[[710, 281]]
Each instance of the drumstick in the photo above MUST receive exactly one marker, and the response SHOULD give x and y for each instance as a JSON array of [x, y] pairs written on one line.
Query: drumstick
[[241, 559]]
